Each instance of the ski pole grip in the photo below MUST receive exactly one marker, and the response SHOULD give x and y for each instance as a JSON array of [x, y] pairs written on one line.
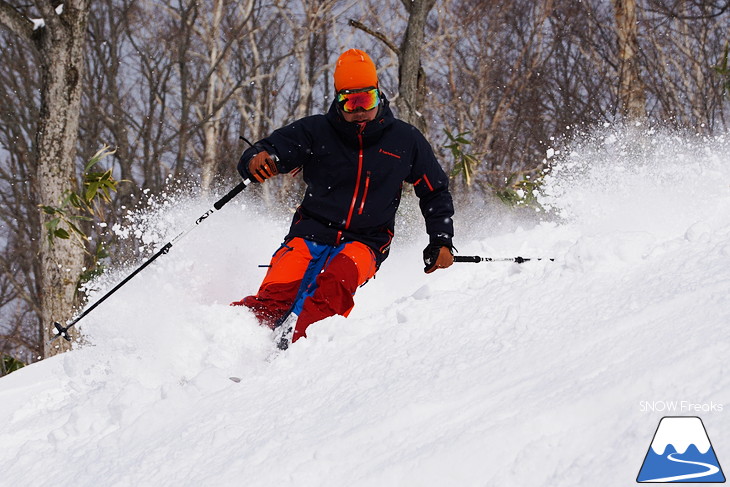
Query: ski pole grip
[[467, 258], [231, 194]]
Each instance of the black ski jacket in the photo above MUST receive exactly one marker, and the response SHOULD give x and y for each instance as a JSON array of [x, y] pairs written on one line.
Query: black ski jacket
[[354, 178]]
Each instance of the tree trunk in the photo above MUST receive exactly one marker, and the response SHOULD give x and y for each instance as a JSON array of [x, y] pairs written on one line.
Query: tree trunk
[[60, 45], [411, 77], [632, 98], [211, 128]]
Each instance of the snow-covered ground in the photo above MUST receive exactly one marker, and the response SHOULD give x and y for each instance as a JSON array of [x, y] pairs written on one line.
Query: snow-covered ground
[[540, 374]]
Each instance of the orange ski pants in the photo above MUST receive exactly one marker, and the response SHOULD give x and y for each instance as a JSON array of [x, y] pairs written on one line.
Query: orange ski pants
[[313, 281]]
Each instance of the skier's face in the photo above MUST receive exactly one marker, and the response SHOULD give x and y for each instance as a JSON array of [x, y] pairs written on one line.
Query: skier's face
[[361, 116], [359, 105]]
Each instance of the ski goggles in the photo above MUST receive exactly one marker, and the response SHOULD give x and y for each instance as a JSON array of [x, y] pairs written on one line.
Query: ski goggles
[[358, 100]]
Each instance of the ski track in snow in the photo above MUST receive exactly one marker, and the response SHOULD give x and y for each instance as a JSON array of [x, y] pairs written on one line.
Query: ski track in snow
[[484, 374], [711, 470]]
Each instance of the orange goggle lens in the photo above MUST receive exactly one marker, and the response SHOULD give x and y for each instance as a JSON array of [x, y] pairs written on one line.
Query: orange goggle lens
[[361, 100]]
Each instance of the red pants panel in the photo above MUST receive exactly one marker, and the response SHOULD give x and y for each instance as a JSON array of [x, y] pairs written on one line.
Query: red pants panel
[[315, 281]]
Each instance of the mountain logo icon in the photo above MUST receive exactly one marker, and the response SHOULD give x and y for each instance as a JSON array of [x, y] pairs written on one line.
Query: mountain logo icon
[[680, 452]]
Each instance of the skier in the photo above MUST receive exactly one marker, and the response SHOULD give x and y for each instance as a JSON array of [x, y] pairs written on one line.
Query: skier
[[354, 159]]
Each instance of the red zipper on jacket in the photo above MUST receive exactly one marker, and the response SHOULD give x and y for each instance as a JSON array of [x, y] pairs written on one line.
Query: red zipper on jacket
[[364, 193], [357, 182]]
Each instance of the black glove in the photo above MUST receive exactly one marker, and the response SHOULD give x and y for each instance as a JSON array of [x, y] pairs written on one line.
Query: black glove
[[437, 256]]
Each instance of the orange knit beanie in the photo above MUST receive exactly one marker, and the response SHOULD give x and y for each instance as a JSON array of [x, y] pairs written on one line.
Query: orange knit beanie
[[355, 70]]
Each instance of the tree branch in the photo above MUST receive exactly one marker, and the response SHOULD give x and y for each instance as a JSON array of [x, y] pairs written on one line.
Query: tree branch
[[16, 22], [48, 12], [670, 11], [377, 35]]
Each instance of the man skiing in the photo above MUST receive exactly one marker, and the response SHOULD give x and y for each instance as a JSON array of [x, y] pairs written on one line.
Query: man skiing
[[354, 159]]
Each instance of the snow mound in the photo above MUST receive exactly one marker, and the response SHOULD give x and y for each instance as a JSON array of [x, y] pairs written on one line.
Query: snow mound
[[484, 374]]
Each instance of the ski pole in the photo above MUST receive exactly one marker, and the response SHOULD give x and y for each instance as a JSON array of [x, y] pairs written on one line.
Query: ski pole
[[63, 330], [476, 258]]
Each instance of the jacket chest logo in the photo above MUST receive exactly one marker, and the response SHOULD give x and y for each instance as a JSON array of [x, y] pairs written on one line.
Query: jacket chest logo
[[388, 153]]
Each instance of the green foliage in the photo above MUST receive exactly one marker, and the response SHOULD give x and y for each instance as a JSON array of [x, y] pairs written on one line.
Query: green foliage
[[520, 189], [96, 269], [464, 162], [9, 364], [723, 69], [63, 222], [85, 205]]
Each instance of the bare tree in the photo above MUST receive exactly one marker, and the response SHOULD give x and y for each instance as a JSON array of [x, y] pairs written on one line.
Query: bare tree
[[19, 216], [411, 75], [217, 31], [491, 71], [309, 48], [632, 97], [20, 335], [684, 42], [59, 42]]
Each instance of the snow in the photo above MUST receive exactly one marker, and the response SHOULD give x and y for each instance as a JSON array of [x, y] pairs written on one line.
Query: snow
[[482, 374], [686, 429], [41, 23]]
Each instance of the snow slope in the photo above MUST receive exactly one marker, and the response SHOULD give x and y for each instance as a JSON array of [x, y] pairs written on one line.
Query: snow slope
[[485, 374]]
